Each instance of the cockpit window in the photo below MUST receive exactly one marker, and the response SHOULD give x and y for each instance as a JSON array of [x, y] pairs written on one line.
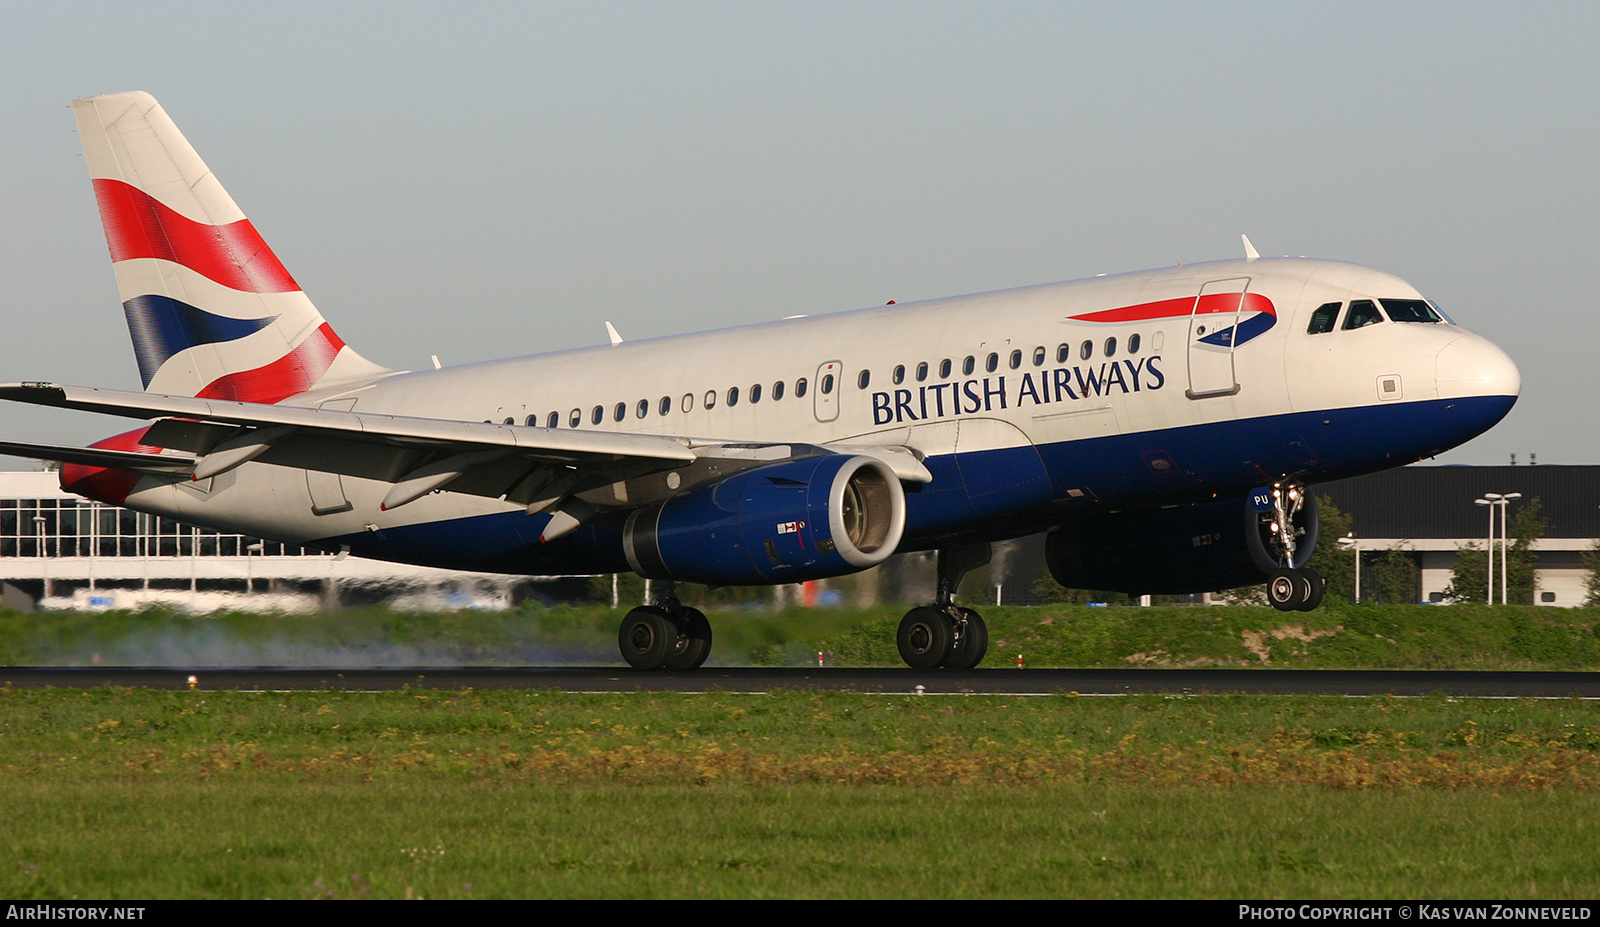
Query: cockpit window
[[1411, 310], [1362, 312], [1322, 320]]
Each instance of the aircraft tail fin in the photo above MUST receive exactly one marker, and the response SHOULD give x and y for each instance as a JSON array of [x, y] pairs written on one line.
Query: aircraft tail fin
[[212, 311]]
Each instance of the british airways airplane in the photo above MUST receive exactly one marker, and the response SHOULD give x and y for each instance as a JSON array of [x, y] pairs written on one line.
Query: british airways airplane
[[1163, 425]]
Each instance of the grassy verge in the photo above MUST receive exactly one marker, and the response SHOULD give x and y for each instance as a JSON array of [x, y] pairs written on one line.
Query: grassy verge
[[134, 793], [1355, 637]]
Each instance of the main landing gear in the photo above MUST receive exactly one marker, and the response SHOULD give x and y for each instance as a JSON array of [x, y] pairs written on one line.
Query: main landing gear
[[667, 635], [946, 634], [1291, 588]]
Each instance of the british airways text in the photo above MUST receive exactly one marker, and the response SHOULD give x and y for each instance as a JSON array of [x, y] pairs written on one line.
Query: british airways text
[[1060, 384]]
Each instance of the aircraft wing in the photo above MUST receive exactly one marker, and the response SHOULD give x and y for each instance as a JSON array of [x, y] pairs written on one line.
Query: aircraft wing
[[419, 455], [527, 465]]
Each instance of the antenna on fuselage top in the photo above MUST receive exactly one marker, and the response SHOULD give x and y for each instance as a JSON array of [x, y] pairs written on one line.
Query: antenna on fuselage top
[[611, 330], [1250, 252]]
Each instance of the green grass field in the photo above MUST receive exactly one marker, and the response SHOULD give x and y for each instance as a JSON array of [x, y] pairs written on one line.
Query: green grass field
[[137, 794], [144, 794], [1345, 637]]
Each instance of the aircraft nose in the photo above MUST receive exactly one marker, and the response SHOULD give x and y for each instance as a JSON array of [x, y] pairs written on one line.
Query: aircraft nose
[[1474, 366]]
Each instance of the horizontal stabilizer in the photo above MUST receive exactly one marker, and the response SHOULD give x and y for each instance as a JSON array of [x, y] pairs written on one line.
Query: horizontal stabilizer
[[98, 457]]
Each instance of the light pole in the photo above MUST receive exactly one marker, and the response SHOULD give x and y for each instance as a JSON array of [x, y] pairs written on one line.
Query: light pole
[[44, 554], [1495, 500], [1349, 542], [1505, 549], [251, 551], [1488, 548]]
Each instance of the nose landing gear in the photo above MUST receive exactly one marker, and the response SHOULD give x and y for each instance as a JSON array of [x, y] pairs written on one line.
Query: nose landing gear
[[1295, 590], [1290, 534]]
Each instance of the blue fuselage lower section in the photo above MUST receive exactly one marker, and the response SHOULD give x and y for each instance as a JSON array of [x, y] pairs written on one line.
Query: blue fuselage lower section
[[1010, 492]]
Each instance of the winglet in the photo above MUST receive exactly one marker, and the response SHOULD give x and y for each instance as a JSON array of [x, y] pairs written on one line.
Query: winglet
[[1250, 252], [611, 330]]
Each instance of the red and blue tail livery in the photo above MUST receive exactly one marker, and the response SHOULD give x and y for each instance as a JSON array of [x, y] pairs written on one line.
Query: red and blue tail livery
[[211, 309]]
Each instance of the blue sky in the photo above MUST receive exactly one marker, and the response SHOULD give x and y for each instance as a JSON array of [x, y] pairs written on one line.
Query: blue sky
[[477, 180]]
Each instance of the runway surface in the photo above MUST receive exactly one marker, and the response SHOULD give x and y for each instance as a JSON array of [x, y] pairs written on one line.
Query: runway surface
[[886, 681]]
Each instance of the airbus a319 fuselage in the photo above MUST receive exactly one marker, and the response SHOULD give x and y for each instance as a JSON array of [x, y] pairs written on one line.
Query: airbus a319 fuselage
[[1163, 425]]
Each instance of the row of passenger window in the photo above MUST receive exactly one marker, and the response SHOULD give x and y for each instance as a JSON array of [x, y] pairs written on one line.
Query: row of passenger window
[[641, 409], [1364, 312], [992, 363]]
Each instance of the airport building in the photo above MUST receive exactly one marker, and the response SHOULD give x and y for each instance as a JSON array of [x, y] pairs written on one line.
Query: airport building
[[1433, 512], [58, 550]]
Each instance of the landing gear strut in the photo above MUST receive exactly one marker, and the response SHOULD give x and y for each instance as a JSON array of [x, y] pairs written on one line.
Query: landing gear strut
[[666, 635], [1291, 588], [945, 634]]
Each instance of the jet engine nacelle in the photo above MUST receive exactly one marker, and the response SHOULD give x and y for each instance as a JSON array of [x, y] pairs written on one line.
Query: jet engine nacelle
[[788, 522], [1173, 551]]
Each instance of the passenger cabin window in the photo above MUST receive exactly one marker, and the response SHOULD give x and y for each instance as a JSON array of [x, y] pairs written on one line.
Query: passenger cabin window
[[1111, 347], [643, 409], [991, 363], [864, 379], [1038, 356], [597, 415], [576, 418], [944, 368], [1411, 310], [777, 391], [1062, 353], [800, 388], [968, 365], [711, 399], [755, 393], [554, 421], [900, 374], [531, 420], [1016, 359], [688, 402], [1362, 312], [1133, 344], [620, 412], [733, 395], [922, 371], [666, 405], [1323, 318], [827, 384], [1086, 350]]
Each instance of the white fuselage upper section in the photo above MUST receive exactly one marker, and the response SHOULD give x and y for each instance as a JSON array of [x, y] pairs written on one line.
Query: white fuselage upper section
[[682, 384]]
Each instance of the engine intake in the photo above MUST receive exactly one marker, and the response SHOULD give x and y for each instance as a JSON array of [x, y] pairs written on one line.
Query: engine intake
[[801, 519]]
